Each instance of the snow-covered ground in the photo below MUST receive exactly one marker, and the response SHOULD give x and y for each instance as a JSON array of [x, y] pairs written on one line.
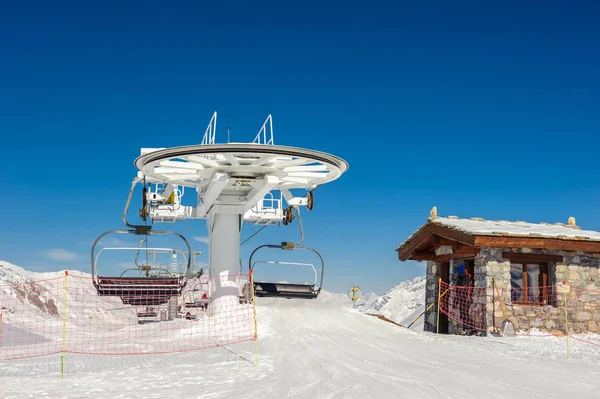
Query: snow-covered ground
[[323, 349]]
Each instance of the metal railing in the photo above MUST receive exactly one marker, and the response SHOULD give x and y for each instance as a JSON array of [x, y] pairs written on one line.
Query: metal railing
[[265, 133], [211, 130]]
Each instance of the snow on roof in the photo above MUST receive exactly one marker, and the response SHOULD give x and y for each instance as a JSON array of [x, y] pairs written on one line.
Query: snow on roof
[[478, 226]]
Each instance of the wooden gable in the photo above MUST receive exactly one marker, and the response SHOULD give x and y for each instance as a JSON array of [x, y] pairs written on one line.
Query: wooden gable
[[428, 241]]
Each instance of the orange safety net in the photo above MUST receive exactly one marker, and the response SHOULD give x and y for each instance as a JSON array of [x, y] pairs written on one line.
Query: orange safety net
[[464, 305], [71, 314]]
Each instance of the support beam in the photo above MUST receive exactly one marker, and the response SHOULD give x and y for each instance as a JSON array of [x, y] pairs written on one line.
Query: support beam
[[224, 259], [538, 243], [211, 194], [258, 192], [457, 253], [516, 256], [287, 194]]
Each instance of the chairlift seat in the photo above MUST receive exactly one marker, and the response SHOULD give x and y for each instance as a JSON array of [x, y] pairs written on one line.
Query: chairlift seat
[[197, 304], [136, 286], [145, 300], [140, 291], [285, 290], [147, 314]]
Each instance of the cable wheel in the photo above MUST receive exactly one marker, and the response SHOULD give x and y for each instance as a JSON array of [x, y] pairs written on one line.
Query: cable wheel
[[289, 215], [311, 201]]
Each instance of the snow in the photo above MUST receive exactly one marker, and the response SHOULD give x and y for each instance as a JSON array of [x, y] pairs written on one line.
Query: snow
[[402, 304], [324, 348], [519, 228]]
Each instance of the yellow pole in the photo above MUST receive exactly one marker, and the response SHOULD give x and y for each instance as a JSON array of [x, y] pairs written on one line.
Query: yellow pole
[[428, 307], [567, 320], [437, 319], [64, 345], [255, 323]]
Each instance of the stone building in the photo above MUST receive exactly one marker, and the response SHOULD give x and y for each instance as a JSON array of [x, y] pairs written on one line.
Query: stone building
[[526, 272]]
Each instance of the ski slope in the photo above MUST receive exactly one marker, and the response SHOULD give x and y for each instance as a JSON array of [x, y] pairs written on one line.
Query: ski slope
[[323, 349]]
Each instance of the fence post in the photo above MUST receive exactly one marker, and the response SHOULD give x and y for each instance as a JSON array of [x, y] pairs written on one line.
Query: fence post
[[437, 319], [64, 345], [253, 298], [493, 305], [566, 318]]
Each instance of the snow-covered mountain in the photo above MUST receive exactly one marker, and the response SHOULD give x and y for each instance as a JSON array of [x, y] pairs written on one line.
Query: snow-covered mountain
[[28, 295], [402, 303], [27, 288], [367, 300]]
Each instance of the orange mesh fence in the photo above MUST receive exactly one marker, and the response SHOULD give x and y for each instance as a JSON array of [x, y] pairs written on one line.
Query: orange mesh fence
[[113, 316], [464, 305], [554, 310]]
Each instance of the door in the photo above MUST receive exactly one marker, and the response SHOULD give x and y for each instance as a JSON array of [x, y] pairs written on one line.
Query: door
[[445, 275], [470, 265]]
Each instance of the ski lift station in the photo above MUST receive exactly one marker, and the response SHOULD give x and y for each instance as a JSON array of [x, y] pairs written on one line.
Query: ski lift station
[[228, 184]]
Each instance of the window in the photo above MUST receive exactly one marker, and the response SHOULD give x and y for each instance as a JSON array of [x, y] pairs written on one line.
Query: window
[[529, 282]]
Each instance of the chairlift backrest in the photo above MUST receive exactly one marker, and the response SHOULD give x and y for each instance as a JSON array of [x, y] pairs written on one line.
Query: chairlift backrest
[[287, 290]]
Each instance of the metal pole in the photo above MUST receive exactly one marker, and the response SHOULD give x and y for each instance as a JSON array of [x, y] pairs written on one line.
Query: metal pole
[[567, 317], [494, 305], [224, 257]]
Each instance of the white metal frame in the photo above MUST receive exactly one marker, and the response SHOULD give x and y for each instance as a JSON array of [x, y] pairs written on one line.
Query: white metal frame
[[237, 177], [148, 250], [275, 262], [269, 210], [233, 182], [265, 132], [211, 131]]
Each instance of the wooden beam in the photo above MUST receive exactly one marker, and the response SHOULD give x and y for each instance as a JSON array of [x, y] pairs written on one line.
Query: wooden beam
[[438, 241], [419, 255], [515, 256], [454, 235], [425, 245], [538, 243], [443, 258], [421, 237], [463, 249]]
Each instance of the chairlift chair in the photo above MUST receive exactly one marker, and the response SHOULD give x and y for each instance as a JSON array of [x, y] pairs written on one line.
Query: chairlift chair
[[288, 290], [148, 312], [150, 290], [194, 299]]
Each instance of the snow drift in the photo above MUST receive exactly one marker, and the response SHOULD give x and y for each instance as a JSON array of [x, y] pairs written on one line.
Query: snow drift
[[401, 304]]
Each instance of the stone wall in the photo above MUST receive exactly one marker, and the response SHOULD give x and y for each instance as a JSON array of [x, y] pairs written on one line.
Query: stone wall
[[431, 288], [579, 270]]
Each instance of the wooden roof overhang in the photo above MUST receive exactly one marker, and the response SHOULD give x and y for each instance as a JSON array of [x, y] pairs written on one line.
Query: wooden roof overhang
[[424, 243]]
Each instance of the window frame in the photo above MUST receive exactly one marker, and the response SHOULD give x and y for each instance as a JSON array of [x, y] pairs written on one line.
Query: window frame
[[545, 290], [542, 297]]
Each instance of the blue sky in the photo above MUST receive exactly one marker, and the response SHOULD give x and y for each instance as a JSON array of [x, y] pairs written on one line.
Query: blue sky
[[481, 109]]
